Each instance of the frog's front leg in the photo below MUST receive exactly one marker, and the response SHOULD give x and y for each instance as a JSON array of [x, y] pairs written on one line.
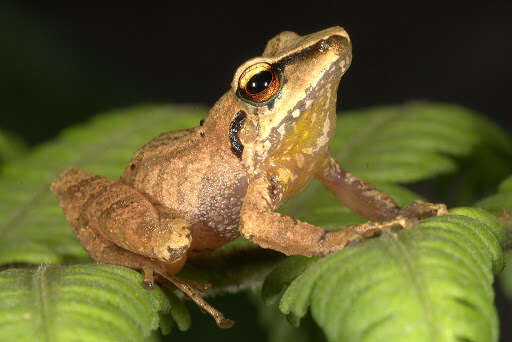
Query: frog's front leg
[[365, 200], [285, 234], [268, 229]]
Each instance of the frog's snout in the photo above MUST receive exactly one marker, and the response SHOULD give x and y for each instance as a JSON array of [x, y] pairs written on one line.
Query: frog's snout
[[340, 43]]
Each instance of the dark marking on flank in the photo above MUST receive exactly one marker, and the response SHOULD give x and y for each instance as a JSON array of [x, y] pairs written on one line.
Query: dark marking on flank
[[175, 253], [202, 134], [234, 128], [323, 236], [273, 189]]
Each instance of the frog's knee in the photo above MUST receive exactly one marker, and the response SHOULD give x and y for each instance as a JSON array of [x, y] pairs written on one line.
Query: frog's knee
[[171, 242]]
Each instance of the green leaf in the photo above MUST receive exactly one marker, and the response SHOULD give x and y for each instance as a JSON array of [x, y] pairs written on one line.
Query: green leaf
[[501, 204], [278, 329], [371, 143], [282, 276], [32, 226], [506, 276], [432, 282], [81, 303], [411, 142], [11, 147]]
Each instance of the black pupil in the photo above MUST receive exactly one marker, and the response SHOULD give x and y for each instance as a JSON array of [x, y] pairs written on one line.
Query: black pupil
[[259, 82]]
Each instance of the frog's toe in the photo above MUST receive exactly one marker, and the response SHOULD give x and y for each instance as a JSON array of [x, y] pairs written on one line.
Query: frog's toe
[[420, 210]]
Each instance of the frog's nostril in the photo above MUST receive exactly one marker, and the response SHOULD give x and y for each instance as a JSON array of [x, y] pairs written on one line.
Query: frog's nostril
[[340, 43]]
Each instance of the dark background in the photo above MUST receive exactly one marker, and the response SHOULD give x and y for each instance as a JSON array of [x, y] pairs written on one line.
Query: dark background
[[61, 62]]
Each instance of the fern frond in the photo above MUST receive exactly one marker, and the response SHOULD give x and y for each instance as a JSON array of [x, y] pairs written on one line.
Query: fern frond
[[411, 142], [82, 303], [32, 226], [430, 283], [388, 144], [501, 205]]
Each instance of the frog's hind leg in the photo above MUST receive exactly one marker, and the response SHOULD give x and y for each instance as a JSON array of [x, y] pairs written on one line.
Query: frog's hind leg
[[121, 215], [105, 252], [117, 225]]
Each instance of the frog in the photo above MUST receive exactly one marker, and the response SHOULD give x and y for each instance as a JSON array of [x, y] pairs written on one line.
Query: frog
[[191, 191]]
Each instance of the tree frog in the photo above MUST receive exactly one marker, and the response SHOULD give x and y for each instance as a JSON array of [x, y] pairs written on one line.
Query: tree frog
[[193, 190]]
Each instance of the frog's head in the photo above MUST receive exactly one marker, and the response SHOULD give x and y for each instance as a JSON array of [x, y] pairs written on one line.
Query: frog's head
[[286, 99]]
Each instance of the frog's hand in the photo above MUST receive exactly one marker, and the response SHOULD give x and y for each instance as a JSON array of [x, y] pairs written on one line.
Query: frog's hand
[[120, 214], [268, 229], [365, 200]]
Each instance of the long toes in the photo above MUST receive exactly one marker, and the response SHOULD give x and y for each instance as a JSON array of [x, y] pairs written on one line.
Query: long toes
[[441, 209], [355, 239], [420, 210]]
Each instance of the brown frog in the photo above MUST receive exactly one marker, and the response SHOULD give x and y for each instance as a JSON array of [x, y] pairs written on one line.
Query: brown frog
[[193, 190]]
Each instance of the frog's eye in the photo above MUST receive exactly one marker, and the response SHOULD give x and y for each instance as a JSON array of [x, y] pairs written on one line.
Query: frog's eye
[[258, 84]]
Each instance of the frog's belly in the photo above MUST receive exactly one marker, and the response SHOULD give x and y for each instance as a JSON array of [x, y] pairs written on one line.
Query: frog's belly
[[199, 192], [219, 203]]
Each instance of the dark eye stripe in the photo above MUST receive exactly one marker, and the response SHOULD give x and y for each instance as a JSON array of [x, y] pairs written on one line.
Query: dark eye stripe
[[236, 125]]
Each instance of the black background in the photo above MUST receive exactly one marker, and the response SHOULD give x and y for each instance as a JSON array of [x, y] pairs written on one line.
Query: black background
[[65, 62], [61, 62]]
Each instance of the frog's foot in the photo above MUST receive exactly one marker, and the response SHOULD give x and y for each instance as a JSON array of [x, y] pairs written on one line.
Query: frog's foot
[[420, 210], [360, 233], [408, 217], [190, 292]]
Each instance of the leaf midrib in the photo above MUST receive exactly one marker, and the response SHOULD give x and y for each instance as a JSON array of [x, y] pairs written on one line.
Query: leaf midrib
[[399, 251], [40, 289]]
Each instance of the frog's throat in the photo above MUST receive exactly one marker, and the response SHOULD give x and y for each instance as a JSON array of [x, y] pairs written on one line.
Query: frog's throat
[[308, 126]]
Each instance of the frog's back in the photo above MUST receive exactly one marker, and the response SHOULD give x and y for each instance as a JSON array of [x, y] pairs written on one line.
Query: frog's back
[[184, 172]]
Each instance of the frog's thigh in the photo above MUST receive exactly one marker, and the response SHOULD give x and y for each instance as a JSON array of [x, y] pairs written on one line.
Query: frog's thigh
[[359, 196], [105, 252], [120, 214]]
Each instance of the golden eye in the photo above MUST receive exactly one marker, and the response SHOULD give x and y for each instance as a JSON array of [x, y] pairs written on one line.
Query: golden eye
[[258, 83]]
